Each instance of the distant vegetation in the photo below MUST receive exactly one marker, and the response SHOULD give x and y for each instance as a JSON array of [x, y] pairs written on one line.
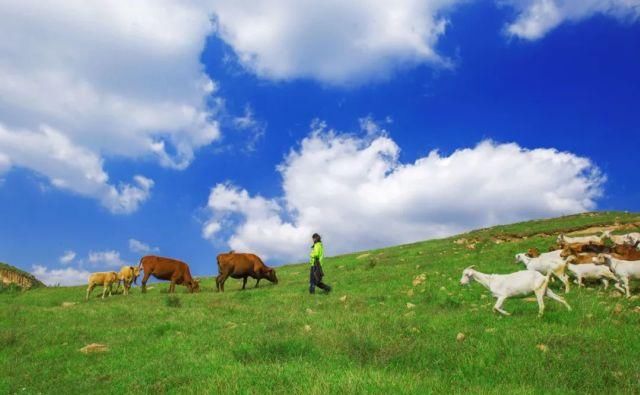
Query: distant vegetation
[[397, 322]]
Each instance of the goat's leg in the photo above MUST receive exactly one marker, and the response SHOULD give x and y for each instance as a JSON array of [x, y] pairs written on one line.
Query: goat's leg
[[498, 306], [618, 285], [625, 280], [104, 289], [605, 282], [555, 297], [564, 278], [540, 297]]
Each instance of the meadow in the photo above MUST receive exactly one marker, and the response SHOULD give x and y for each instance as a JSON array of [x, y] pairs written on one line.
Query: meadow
[[384, 329]]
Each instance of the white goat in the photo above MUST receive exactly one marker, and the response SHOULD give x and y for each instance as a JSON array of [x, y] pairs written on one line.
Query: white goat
[[563, 239], [623, 270], [547, 263], [590, 271], [620, 239], [521, 283], [633, 238]]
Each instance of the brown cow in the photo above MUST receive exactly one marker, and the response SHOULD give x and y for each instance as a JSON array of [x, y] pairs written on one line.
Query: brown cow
[[168, 269], [242, 266]]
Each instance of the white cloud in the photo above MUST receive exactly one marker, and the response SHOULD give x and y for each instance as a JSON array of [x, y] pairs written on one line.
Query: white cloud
[[72, 167], [358, 195], [334, 41], [66, 276], [537, 17], [67, 257], [109, 258], [141, 248], [87, 80]]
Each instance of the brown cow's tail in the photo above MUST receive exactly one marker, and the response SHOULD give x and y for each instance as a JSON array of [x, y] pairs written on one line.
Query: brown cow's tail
[[140, 264]]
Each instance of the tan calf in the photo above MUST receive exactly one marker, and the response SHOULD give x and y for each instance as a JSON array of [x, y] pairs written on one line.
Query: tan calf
[[127, 275], [105, 279]]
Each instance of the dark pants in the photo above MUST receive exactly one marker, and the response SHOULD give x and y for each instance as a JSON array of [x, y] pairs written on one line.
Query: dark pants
[[316, 280]]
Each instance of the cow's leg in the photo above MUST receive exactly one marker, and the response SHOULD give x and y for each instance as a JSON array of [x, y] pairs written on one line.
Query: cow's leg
[[89, 289], [258, 282], [104, 289], [218, 283], [222, 277], [144, 281], [244, 282], [126, 288]]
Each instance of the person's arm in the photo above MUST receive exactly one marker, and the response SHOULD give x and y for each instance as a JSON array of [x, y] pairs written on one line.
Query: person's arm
[[314, 254]]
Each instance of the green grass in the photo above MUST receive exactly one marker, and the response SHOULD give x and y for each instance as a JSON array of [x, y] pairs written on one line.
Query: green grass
[[255, 341]]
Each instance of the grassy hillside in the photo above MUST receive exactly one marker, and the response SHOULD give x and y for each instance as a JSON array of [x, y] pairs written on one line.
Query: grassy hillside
[[280, 339]]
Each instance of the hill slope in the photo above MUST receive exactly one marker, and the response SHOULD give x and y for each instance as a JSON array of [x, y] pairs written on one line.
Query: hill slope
[[280, 339]]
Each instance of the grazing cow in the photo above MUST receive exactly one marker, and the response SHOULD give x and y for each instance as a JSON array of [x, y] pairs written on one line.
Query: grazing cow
[[167, 269], [105, 279], [242, 266], [127, 275]]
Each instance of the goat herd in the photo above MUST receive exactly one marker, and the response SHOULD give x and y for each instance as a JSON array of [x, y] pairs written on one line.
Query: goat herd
[[602, 258]]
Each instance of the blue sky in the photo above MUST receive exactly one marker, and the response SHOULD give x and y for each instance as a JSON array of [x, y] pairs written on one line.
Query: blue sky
[[300, 132]]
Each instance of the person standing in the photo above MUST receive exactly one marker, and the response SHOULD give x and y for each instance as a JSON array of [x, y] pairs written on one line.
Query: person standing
[[316, 259]]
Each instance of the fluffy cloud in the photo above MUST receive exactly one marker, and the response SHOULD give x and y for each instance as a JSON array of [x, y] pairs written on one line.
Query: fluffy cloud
[[358, 195], [66, 276], [334, 41], [108, 258], [67, 257], [87, 80], [71, 167], [141, 248], [537, 17]]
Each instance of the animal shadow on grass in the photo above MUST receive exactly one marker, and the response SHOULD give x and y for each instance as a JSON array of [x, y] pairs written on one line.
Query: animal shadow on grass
[[276, 351], [173, 301]]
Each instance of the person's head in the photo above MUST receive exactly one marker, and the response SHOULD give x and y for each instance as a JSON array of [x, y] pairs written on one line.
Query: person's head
[[316, 238]]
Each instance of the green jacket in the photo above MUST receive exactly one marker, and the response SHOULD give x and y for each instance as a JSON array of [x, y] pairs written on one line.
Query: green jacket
[[317, 251]]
